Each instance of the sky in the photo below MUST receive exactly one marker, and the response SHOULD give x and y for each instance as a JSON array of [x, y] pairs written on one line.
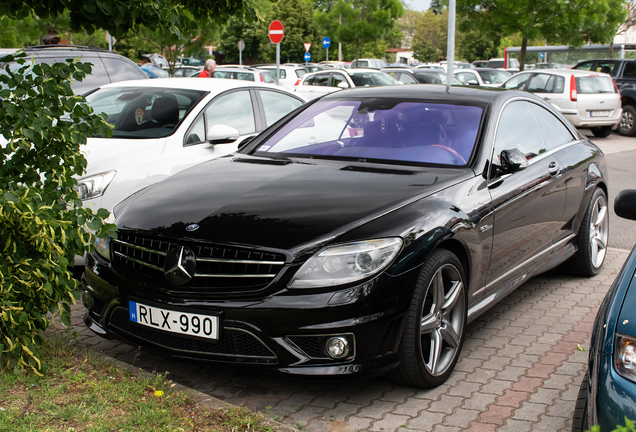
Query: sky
[[419, 5]]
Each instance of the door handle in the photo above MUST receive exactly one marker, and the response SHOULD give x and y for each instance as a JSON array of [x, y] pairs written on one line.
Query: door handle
[[553, 168], [546, 98]]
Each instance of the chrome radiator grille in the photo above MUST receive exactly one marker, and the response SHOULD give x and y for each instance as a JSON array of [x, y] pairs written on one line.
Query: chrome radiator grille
[[217, 267]]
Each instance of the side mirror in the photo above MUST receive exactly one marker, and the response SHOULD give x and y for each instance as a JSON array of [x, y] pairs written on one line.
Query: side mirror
[[625, 204], [343, 85], [512, 161], [472, 82], [222, 134]]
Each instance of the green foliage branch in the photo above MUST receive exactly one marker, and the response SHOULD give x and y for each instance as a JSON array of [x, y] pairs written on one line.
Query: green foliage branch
[[42, 222]]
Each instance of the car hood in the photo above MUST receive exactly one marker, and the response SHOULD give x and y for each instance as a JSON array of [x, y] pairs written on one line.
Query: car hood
[[277, 203], [105, 154]]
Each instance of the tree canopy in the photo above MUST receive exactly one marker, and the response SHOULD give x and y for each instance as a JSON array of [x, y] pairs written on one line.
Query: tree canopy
[[570, 22], [359, 21], [119, 16]]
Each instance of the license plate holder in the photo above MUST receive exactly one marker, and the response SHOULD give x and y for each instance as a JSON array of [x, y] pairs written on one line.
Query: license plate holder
[[182, 321], [599, 113]]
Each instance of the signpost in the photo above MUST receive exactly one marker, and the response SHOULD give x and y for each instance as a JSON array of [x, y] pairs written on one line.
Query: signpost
[[276, 33], [241, 47], [307, 55], [326, 43]]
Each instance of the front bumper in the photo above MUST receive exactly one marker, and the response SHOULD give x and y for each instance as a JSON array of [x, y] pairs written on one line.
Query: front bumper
[[285, 330], [615, 396]]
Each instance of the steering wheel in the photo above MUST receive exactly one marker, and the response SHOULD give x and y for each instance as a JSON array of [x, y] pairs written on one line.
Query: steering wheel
[[453, 152]]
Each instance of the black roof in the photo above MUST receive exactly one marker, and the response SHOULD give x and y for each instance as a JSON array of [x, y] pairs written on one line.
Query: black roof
[[458, 94]]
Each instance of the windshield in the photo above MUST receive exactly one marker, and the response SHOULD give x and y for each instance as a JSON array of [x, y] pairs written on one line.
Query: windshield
[[144, 112], [372, 79], [393, 130], [494, 77]]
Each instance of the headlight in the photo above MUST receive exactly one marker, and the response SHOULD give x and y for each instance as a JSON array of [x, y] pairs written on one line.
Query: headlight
[[346, 263], [625, 356], [95, 185], [102, 245]]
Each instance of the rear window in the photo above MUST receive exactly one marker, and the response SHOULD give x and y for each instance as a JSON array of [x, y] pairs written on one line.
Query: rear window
[[300, 73], [594, 84], [496, 64], [411, 132]]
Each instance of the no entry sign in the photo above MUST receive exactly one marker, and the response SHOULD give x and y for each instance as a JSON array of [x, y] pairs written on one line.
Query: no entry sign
[[276, 31]]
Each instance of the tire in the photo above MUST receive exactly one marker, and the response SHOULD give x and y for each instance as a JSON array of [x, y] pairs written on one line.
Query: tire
[[592, 238], [436, 318], [627, 126], [580, 422], [602, 131]]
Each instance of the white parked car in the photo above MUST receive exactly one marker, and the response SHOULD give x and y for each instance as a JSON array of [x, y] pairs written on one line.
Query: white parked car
[[289, 76], [318, 84], [484, 77], [163, 127], [368, 63], [589, 100]]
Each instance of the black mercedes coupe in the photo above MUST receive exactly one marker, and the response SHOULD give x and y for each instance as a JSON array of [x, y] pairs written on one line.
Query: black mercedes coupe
[[358, 235]]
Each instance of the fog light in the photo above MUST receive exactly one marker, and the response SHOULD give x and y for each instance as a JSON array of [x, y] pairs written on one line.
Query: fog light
[[338, 347], [87, 300]]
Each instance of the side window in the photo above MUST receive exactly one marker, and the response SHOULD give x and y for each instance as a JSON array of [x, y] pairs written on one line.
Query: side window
[[464, 77], [608, 67], [408, 79], [559, 85], [245, 76], [337, 79], [119, 70], [517, 82], [283, 74], [539, 83], [321, 80], [222, 74], [630, 70], [309, 80], [518, 129], [276, 105], [197, 133], [233, 109], [585, 66], [554, 132]]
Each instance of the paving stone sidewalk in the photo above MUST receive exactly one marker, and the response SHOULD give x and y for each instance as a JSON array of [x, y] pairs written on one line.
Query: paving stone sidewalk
[[520, 370]]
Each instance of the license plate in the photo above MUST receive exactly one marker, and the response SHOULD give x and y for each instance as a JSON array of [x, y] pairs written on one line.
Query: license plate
[[599, 113], [185, 323]]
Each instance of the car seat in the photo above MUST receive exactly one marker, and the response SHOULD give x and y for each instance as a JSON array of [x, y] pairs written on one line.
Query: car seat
[[165, 111]]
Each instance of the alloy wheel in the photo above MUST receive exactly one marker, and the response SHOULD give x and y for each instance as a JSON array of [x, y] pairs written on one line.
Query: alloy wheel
[[442, 322], [599, 231], [627, 122]]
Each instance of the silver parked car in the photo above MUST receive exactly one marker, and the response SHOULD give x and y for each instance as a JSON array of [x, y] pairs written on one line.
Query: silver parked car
[[589, 100], [318, 84]]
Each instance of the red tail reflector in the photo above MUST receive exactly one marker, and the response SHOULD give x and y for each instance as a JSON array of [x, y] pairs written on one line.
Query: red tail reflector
[[260, 77], [297, 82], [617, 90], [572, 88]]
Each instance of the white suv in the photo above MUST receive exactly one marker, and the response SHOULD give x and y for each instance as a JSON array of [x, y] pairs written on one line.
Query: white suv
[[368, 63], [589, 100]]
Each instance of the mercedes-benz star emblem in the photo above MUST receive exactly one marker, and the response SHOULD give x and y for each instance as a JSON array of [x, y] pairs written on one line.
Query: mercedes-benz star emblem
[[180, 265], [192, 227]]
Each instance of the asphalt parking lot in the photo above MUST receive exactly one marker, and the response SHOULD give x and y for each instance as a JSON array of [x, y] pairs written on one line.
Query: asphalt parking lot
[[520, 368]]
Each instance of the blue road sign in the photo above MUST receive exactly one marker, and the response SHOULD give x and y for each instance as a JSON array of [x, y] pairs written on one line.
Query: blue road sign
[[326, 42], [307, 56]]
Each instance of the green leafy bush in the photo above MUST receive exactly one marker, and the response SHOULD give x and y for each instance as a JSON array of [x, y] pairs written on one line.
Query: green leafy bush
[[630, 426], [42, 222]]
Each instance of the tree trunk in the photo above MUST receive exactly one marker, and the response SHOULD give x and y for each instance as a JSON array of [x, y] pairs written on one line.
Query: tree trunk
[[522, 56], [357, 52], [611, 49]]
